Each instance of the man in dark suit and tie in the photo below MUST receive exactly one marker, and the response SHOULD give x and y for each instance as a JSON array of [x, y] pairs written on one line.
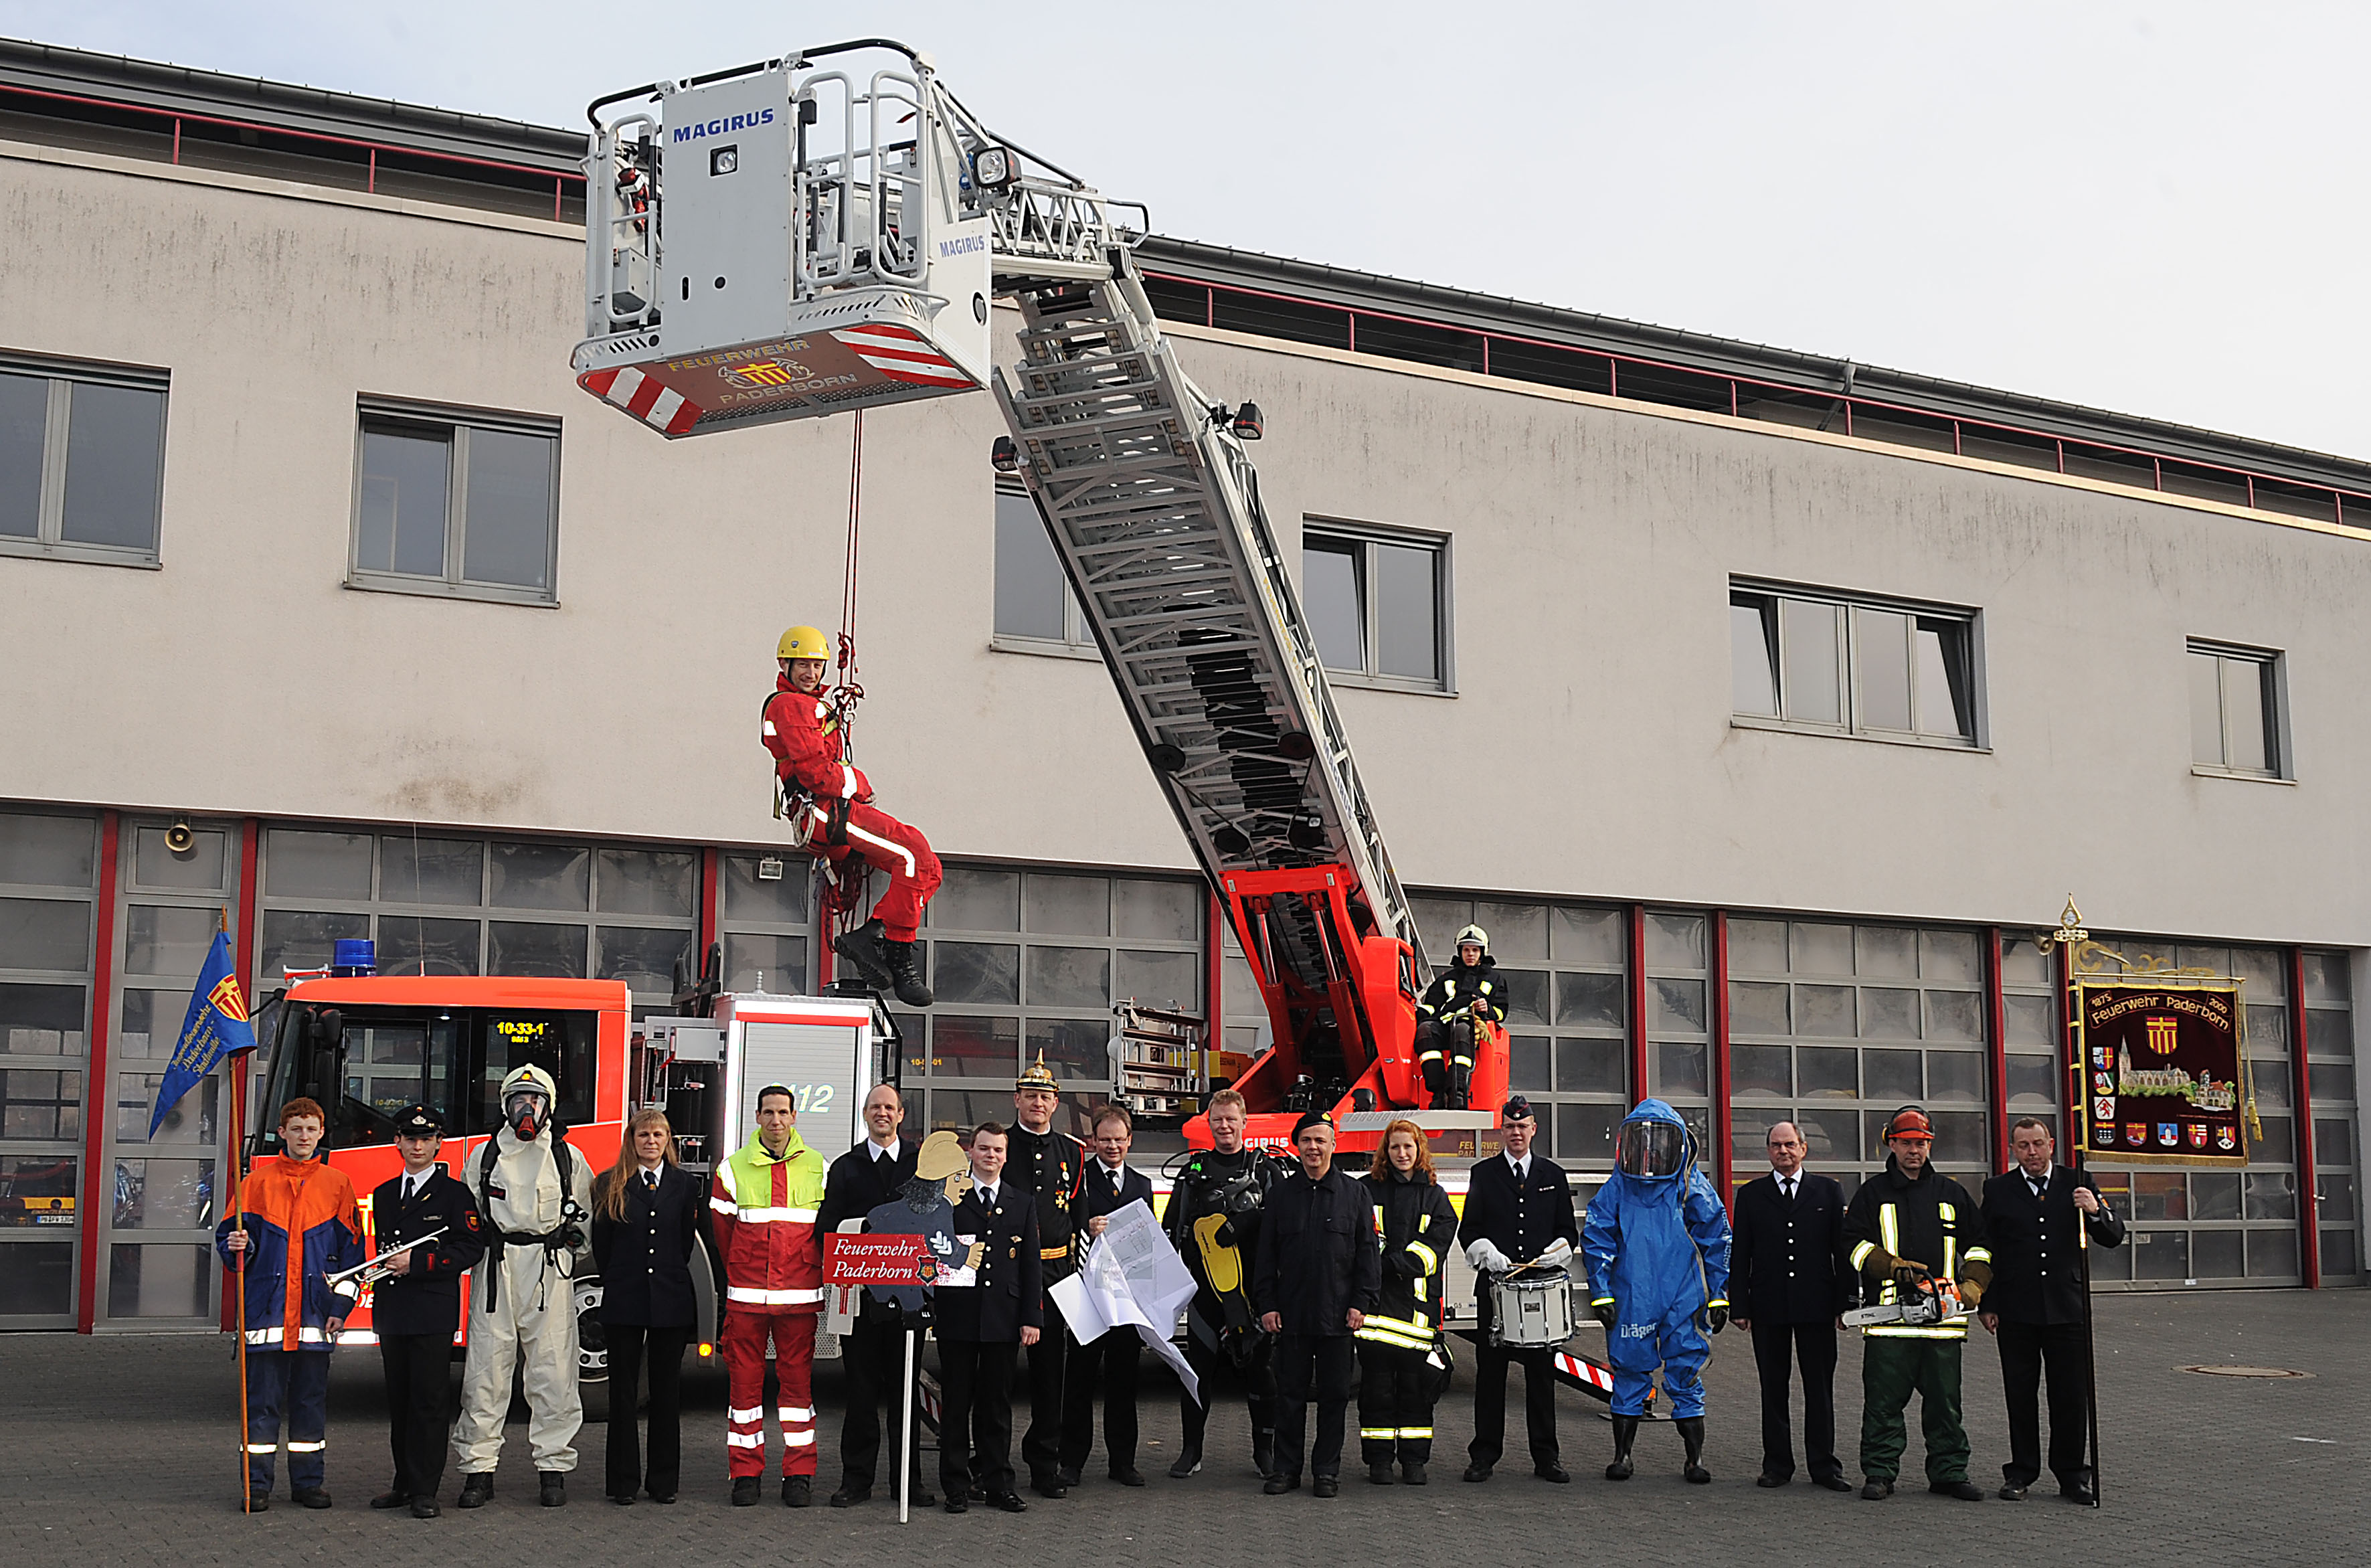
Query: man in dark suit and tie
[[873, 1353], [1111, 1360], [1518, 1210], [1791, 1280], [986, 1306], [2038, 1218], [416, 1310]]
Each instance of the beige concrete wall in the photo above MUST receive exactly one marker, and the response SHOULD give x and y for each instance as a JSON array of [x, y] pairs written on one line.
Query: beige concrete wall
[[1593, 547]]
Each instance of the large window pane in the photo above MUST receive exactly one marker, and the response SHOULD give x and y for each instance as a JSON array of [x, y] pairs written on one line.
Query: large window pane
[[1945, 698], [301, 864], [518, 947], [44, 933], [1407, 609], [1589, 1001], [302, 938], [2205, 709], [1588, 936], [1070, 977], [1753, 657], [165, 939], [1031, 591], [751, 894], [1881, 660], [1069, 906], [411, 945], [40, 1104], [164, 1194], [765, 964], [1334, 598], [645, 882], [1160, 979], [115, 452], [975, 973], [400, 524], [507, 522], [541, 876], [1809, 633], [431, 871], [1592, 1066], [190, 1122], [978, 901], [39, 1195], [2244, 713], [40, 1021], [1157, 911], [1074, 1048], [157, 864], [645, 959], [24, 433], [160, 1281], [48, 851]]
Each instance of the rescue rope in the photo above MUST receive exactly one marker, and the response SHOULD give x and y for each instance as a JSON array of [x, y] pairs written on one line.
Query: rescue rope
[[844, 894]]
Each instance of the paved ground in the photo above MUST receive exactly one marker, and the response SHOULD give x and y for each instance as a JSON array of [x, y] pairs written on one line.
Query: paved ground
[[123, 1450]]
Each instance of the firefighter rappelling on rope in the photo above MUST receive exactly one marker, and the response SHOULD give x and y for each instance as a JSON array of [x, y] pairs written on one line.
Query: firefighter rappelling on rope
[[825, 233]]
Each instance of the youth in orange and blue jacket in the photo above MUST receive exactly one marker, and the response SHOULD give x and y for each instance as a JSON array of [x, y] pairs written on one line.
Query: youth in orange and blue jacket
[[303, 1226]]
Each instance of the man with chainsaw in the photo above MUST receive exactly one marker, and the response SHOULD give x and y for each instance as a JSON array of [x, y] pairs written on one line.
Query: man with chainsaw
[[1655, 1246], [1213, 1218], [1918, 1240], [1454, 1008], [830, 804], [535, 1195]]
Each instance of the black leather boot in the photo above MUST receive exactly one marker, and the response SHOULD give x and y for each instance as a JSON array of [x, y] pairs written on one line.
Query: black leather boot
[[866, 949], [476, 1488], [906, 975], [1625, 1432], [1460, 1086], [1264, 1449], [1692, 1433], [1189, 1459]]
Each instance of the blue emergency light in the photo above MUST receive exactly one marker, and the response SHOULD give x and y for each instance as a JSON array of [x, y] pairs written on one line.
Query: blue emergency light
[[353, 956]]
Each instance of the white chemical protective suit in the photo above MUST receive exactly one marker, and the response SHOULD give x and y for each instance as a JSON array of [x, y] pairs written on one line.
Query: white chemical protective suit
[[521, 1309]]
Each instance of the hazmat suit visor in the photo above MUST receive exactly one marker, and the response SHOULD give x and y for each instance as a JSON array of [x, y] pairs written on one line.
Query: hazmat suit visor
[[1653, 1149], [527, 1110]]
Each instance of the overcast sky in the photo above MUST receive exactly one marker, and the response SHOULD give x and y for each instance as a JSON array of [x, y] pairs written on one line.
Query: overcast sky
[[2157, 208]]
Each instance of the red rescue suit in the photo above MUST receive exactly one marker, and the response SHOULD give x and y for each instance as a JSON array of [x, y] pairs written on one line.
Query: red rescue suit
[[805, 740]]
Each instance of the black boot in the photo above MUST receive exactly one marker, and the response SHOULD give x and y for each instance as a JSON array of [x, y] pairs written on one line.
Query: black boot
[[552, 1488], [1460, 1086], [865, 949], [1625, 1432], [1189, 1459], [476, 1488], [1264, 1449], [1692, 1433], [907, 977]]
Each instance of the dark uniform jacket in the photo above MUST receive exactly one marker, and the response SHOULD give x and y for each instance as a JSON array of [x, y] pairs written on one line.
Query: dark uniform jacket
[[645, 1259], [1456, 988], [428, 1299], [858, 1182], [1932, 1221], [1522, 1222], [1236, 1185], [1005, 1295], [1317, 1257], [1786, 1261], [1418, 1226], [1048, 1164], [2037, 1276], [1097, 1198]]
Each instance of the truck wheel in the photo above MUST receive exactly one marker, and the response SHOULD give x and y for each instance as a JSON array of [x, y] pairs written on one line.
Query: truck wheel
[[591, 1350]]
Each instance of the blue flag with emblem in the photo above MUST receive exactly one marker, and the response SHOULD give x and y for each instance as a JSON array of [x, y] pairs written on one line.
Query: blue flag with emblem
[[216, 1027]]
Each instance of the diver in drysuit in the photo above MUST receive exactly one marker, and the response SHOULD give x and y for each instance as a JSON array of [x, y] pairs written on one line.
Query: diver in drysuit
[[1656, 1245]]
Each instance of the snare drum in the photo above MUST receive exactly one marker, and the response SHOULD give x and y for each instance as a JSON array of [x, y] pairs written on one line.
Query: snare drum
[[1531, 1311]]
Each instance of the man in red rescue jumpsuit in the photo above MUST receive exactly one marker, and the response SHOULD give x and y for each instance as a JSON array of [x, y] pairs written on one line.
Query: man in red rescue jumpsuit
[[803, 731]]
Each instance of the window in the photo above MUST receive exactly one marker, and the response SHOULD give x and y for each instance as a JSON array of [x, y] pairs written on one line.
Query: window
[[463, 507], [1880, 669], [1035, 610], [2235, 710], [82, 461], [1378, 606]]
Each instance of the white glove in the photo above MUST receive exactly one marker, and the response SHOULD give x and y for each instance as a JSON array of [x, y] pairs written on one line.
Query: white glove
[[1560, 1254], [1486, 1257]]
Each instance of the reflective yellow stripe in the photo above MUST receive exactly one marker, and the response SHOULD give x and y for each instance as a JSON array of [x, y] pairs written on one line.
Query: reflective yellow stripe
[[1415, 1432], [1385, 1433], [1980, 1254], [1950, 1328], [1951, 1240], [295, 1447], [1860, 1254], [1430, 1258], [1888, 1231], [263, 1448]]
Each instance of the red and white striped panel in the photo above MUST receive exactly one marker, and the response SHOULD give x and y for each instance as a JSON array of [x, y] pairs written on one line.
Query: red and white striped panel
[[903, 354], [661, 408], [1589, 1375]]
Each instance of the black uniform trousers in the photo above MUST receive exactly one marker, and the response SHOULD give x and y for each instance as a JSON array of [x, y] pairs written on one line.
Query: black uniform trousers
[[1779, 1348], [630, 1346], [1322, 1366], [1049, 1358], [1110, 1361], [1394, 1405], [1490, 1365], [2027, 1352], [873, 1355], [1259, 1376], [418, 1408], [975, 1415]]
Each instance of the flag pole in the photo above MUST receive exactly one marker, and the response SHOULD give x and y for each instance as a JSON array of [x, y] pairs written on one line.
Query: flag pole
[[239, 1224]]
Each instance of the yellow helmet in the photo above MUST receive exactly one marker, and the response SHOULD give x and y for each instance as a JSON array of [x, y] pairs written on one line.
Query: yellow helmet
[[803, 642]]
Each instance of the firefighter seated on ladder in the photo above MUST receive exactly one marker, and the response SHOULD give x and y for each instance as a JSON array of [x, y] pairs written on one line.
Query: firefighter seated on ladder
[[1452, 1013], [830, 803]]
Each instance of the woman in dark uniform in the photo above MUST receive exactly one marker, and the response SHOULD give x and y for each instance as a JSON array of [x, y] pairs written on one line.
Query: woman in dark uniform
[[646, 1211]]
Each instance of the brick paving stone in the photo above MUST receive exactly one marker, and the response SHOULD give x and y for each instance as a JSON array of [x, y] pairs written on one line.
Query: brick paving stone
[[123, 1449]]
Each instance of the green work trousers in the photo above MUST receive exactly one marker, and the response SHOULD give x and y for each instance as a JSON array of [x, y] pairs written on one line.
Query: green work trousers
[[1890, 1371]]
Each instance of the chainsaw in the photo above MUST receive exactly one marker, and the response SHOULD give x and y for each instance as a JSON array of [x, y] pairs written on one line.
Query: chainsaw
[[1932, 1301]]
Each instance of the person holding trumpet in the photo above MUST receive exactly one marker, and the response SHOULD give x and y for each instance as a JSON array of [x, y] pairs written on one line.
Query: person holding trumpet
[[429, 1235]]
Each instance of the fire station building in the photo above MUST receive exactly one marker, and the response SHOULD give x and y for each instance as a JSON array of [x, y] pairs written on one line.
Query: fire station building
[[1763, 707]]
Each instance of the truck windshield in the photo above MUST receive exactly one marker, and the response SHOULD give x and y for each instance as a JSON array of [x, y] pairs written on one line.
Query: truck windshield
[[365, 1064]]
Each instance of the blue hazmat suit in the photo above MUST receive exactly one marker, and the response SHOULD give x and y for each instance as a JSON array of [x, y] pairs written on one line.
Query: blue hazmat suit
[[1658, 1246]]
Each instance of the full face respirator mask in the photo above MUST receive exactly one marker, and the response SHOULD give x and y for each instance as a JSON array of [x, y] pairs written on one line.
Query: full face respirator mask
[[527, 1113]]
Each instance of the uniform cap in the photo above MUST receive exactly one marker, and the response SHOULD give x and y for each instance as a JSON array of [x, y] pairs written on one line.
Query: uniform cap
[[418, 1122], [1517, 1109], [1038, 1076], [1311, 1119], [1909, 1123]]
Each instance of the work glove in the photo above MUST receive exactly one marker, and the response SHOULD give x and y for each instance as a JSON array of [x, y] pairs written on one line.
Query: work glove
[[1560, 1254], [1908, 1278], [1603, 1310], [1970, 1294], [1486, 1257], [1715, 1317]]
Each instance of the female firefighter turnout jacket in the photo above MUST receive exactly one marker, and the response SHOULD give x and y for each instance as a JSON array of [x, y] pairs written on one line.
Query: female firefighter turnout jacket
[[303, 1225], [1931, 1220], [765, 1213], [1414, 1228]]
